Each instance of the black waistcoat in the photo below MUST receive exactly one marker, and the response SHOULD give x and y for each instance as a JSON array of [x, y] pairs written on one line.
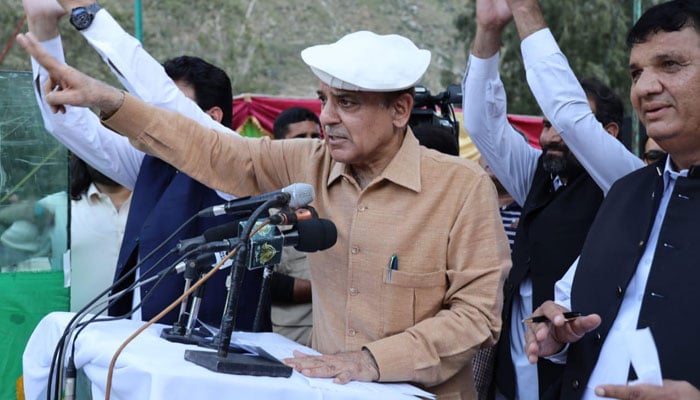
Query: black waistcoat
[[164, 199], [609, 259], [551, 231]]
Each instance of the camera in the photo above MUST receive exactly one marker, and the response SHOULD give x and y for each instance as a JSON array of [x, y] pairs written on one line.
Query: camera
[[438, 109]]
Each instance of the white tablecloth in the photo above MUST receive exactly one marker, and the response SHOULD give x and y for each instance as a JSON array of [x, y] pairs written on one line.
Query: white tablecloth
[[153, 368]]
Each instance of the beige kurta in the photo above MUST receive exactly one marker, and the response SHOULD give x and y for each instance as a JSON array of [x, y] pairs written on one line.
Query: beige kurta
[[438, 214]]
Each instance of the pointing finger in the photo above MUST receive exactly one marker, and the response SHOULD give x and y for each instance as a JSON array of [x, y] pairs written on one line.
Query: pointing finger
[[33, 47]]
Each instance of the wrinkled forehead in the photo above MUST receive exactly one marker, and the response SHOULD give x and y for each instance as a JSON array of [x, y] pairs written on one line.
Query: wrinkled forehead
[[325, 91]]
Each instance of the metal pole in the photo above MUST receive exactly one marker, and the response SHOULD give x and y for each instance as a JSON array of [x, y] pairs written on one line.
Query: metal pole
[[138, 27]]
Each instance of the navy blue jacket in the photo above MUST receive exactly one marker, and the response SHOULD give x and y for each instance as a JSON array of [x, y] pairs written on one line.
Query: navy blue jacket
[[163, 199], [609, 259]]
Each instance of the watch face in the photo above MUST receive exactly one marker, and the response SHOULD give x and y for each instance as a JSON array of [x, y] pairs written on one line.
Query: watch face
[[81, 18]]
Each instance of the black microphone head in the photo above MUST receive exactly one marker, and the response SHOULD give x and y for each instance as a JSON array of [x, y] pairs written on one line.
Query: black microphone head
[[301, 194], [221, 232], [316, 234]]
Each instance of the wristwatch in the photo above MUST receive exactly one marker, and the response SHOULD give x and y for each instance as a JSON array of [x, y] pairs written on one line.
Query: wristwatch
[[81, 17]]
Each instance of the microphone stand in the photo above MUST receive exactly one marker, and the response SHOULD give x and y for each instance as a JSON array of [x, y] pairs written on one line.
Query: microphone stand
[[240, 361], [178, 333], [194, 311], [184, 330], [228, 320], [262, 299]]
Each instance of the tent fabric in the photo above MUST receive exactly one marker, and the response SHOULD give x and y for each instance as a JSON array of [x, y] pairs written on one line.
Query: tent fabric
[[254, 115], [530, 126], [261, 111]]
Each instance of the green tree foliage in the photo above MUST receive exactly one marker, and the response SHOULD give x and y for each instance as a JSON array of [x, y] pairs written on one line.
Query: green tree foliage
[[591, 34], [78, 52], [258, 42]]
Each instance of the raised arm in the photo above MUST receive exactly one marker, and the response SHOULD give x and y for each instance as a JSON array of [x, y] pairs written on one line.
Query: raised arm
[[77, 128], [141, 74], [508, 155], [563, 101], [70, 87]]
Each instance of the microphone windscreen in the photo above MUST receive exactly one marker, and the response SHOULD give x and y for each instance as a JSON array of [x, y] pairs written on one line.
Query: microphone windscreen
[[316, 234], [221, 232], [301, 194]]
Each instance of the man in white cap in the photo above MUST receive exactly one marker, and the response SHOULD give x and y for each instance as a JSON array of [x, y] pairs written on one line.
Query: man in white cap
[[413, 286]]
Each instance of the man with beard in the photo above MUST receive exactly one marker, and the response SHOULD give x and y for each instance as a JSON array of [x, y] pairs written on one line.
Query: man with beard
[[560, 187]]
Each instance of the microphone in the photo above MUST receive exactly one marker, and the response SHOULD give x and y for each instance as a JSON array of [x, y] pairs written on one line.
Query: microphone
[[203, 263], [206, 254], [289, 217], [312, 235], [220, 232], [230, 229], [295, 195]]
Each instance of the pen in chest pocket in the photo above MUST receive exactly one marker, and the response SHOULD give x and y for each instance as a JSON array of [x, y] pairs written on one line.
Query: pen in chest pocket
[[393, 265]]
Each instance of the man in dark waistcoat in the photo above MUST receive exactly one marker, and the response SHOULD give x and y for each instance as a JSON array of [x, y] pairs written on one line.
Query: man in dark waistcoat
[[560, 188], [638, 267]]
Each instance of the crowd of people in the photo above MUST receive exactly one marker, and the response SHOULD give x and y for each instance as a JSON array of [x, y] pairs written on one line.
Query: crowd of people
[[422, 285]]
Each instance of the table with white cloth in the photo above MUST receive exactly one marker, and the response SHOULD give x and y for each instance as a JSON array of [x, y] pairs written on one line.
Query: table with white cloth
[[153, 368]]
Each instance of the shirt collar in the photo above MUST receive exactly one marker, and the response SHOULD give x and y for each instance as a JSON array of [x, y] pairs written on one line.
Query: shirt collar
[[557, 183], [404, 168], [669, 174], [94, 195]]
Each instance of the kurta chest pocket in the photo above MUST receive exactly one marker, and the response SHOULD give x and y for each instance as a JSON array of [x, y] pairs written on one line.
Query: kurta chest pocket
[[408, 298]]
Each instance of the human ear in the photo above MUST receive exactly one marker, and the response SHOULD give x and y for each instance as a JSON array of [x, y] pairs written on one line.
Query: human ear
[[401, 109], [216, 113], [613, 129]]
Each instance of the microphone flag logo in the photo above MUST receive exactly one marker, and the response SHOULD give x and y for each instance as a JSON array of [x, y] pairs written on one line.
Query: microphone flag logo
[[265, 246]]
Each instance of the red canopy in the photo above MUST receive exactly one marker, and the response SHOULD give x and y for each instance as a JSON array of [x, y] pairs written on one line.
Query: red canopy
[[529, 125], [261, 111]]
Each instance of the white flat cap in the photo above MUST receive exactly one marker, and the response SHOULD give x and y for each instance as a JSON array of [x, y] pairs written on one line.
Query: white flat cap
[[368, 62]]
